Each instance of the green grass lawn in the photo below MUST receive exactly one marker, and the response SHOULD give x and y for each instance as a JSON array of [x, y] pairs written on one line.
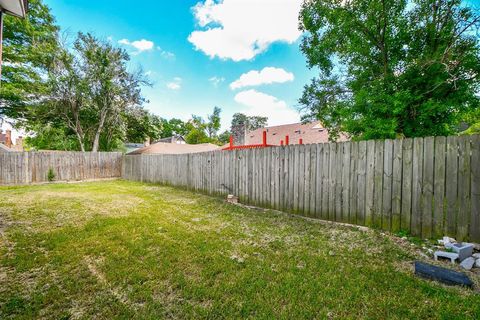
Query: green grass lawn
[[121, 249]]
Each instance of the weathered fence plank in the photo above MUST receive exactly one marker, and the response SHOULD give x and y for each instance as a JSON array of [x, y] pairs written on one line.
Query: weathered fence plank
[[369, 182], [427, 188], [475, 189], [463, 188], [397, 186], [439, 187], [361, 178], [387, 185], [353, 183], [451, 186], [417, 176]]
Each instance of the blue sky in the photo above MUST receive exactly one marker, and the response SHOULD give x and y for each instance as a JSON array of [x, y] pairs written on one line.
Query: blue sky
[[194, 50]]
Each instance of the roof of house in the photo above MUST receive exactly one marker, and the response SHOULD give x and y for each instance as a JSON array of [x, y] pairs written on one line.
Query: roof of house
[[312, 132], [174, 148], [15, 7]]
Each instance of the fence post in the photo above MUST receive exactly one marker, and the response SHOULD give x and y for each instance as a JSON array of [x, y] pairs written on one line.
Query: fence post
[[26, 167]]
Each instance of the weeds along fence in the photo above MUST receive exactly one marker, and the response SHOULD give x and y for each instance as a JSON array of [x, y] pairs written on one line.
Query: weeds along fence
[[427, 186], [18, 168]]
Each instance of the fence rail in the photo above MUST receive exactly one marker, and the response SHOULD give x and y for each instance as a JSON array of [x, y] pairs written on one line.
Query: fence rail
[[428, 186], [32, 167]]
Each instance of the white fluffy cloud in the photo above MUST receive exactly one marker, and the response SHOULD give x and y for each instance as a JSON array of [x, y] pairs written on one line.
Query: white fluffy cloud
[[241, 29], [176, 84], [261, 104], [267, 75], [139, 45]]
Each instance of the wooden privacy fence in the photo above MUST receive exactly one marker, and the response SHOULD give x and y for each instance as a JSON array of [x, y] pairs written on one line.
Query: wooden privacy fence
[[428, 186], [32, 167]]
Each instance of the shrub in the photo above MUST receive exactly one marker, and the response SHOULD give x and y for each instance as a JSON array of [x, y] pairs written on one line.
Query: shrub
[[50, 175]]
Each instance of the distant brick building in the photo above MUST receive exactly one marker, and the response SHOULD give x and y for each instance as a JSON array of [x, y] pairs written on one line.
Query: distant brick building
[[7, 144], [6, 138], [312, 132]]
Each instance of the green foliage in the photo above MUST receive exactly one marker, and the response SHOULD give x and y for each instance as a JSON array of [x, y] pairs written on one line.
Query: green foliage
[[50, 137], [224, 137], [472, 119], [213, 124], [391, 68], [197, 136], [28, 49], [51, 175], [141, 125], [252, 122], [93, 97], [200, 131], [172, 127]]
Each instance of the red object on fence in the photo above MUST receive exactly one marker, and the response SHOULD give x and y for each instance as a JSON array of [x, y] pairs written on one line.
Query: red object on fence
[[300, 141], [250, 146], [281, 142], [287, 141]]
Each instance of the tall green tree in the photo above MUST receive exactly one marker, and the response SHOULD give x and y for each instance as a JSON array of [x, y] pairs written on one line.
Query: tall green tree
[[391, 68], [172, 127], [251, 122], [197, 128], [90, 92], [214, 124], [28, 49], [201, 131], [141, 125]]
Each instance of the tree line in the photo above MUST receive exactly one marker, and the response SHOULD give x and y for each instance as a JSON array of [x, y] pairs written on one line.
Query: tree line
[[386, 69]]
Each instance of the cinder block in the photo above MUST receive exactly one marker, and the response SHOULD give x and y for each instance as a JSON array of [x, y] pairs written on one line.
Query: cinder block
[[444, 254]]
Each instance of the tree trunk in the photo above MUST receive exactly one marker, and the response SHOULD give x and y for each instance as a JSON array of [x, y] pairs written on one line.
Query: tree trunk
[[96, 141], [80, 141]]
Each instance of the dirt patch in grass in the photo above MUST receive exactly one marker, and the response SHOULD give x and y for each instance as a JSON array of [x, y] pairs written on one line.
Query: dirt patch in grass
[[48, 210], [94, 266]]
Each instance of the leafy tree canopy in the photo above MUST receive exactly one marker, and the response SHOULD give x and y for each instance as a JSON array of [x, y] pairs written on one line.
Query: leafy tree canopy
[[251, 122], [201, 131], [92, 96], [391, 68], [28, 49], [142, 125]]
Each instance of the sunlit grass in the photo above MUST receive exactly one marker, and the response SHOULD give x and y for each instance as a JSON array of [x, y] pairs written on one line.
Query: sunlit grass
[[121, 249]]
